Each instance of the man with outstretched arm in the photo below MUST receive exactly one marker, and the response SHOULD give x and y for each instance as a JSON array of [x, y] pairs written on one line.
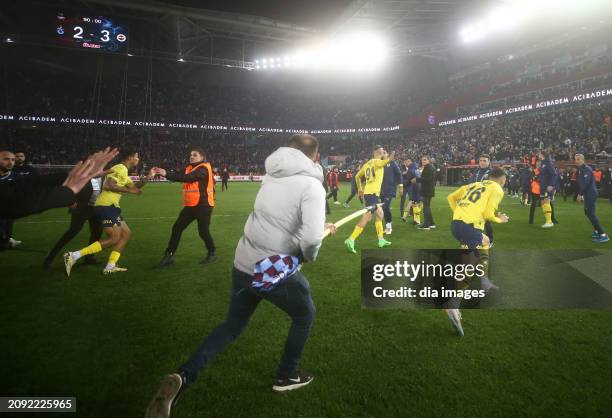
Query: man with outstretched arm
[[285, 229]]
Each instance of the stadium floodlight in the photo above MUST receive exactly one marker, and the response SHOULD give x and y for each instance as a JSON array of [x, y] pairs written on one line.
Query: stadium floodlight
[[515, 12], [265, 60], [358, 51], [9, 41], [181, 59]]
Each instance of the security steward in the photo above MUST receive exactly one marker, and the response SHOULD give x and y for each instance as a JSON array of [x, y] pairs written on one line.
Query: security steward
[[198, 203]]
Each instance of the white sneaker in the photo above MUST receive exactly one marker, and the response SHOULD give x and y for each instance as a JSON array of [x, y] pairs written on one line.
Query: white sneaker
[[112, 270], [388, 231], [455, 317], [13, 242], [69, 262], [548, 225], [336, 203], [346, 205]]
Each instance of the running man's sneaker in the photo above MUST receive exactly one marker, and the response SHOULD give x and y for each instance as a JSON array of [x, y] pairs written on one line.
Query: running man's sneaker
[[383, 243], [595, 235], [487, 285], [115, 269], [346, 205], [455, 317], [423, 227], [284, 384], [432, 227], [336, 203], [170, 389], [350, 245], [548, 225], [69, 262], [601, 239], [14, 243]]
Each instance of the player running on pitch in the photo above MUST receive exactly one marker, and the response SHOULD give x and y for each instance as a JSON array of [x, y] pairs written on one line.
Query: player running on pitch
[[108, 211], [472, 206], [373, 172]]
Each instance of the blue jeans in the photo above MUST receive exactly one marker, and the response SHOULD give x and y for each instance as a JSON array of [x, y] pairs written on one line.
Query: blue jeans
[[589, 211], [292, 296]]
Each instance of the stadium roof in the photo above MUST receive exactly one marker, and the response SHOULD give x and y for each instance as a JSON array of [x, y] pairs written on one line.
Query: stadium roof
[[416, 27]]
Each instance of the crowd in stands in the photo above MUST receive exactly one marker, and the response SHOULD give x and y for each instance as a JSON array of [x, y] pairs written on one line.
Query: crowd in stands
[[189, 103], [586, 128]]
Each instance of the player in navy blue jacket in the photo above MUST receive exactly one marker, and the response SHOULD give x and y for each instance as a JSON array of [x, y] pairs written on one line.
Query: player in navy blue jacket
[[411, 188], [587, 191], [547, 179], [482, 173], [391, 179]]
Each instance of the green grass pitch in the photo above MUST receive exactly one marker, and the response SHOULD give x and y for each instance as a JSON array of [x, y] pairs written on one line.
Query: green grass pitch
[[108, 340]]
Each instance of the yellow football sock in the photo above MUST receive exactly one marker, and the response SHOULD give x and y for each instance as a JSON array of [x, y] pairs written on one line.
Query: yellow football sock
[[114, 257], [379, 229], [547, 212], [356, 232], [96, 247], [416, 212]]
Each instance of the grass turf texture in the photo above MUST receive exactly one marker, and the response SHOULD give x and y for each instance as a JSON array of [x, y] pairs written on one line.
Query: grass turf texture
[[108, 340]]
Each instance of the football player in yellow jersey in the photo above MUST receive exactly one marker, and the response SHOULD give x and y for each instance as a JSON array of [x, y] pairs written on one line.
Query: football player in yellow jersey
[[107, 210], [373, 172], [472, 206]]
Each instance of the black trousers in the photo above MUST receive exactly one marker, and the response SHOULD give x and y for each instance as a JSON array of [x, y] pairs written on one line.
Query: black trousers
[[488, 230], [535, 202], [223, 185], [333, 193], [6, 232], [353, 193], [78, 217], [203, 215], [428, 216]]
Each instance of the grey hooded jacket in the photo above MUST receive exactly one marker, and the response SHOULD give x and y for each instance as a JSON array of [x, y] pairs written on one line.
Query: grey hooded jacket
[[289, 213]]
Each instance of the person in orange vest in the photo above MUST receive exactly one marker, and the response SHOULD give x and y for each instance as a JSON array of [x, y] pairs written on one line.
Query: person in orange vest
[[535, 192], [597, 174], [198, 203]]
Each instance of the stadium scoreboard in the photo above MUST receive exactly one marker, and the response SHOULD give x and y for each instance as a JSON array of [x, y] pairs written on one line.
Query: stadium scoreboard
[[94, 32]]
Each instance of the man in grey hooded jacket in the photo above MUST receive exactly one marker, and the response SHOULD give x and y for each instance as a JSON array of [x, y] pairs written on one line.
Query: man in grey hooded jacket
[[288, 220]]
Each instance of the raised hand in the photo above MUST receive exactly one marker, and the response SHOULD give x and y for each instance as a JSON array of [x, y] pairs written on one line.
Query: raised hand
[[84, 171]]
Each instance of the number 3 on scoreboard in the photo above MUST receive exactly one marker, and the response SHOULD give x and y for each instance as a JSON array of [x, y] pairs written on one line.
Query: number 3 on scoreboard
[[105, 36]]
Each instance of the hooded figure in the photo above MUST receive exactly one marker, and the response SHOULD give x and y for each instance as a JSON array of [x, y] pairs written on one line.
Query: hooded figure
[[289, 213]]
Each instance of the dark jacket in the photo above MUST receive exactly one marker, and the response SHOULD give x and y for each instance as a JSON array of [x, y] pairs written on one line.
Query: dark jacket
[[586, 182], [27, 195], [391, 179], [25, 170], [480, 174], [200, 175], [547, 174], [428, 181]]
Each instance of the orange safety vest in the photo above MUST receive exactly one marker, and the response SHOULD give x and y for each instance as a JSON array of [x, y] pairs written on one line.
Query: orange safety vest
[[191, 191], [535, 184], [597, 175]]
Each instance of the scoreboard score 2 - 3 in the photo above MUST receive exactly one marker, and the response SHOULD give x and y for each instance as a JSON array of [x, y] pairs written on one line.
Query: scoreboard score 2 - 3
[[92, 32]]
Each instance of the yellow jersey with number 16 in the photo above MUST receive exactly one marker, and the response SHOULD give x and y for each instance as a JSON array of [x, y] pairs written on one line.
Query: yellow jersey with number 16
[[119, 173], [476, 203], [373, 172]]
